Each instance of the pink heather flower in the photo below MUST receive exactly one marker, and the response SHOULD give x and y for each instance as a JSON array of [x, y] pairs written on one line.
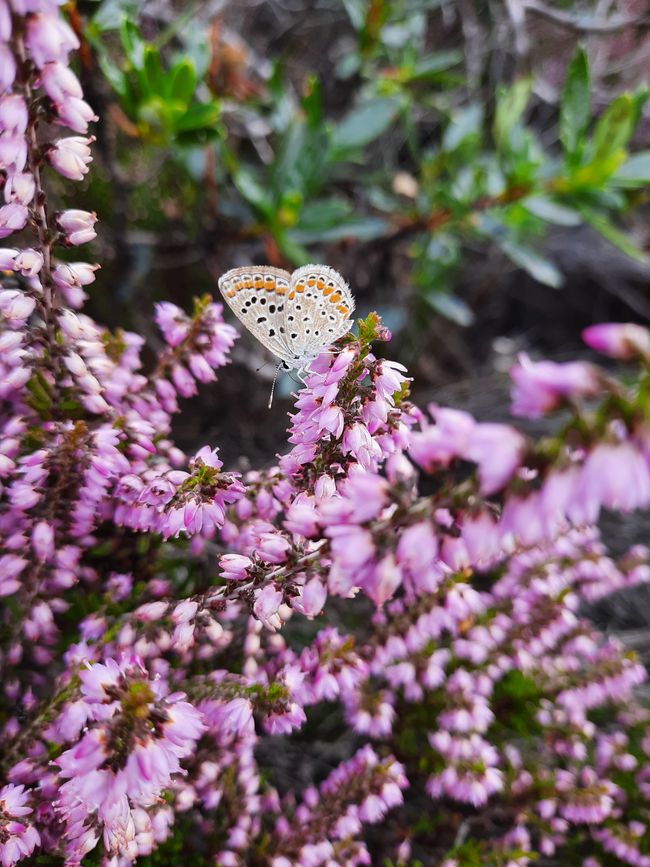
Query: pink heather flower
[[13, 114], [7, 258], [76, 114], [77, 226], [615, 476], [60, 82], [172, 321], [13, 153], [49, 39], [71, 157], [311, 599], [17, 839], [272, 548], [7, 68], [266, 607], [623, 340], [497, 450], [13, 217], [20, 187], [16, 306], [437, 445], [28, 262], [358, 442], [97, 679], [383, 580], [234, 567], [43, 540], [540, 386]]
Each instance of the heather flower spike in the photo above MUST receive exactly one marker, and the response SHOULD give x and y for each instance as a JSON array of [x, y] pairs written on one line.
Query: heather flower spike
[[168, 624]]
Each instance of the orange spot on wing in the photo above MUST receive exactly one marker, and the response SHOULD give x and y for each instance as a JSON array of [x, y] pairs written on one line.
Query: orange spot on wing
[[327, 290], [300, 287], [336, 297], [292, 295], [342, 309]]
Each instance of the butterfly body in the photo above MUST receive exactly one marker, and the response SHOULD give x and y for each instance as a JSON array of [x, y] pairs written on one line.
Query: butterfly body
[[295, 316]]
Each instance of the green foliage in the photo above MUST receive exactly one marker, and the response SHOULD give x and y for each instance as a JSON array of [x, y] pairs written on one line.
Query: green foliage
[[417, 159], [158, 98]]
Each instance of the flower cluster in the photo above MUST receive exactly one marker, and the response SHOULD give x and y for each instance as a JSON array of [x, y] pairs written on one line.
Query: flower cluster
[[375, 650]]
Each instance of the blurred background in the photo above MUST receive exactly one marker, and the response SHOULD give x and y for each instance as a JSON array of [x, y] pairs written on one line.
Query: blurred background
[[477, 170]]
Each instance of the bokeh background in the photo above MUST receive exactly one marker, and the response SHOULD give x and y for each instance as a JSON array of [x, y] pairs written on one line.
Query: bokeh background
[[477, 170]]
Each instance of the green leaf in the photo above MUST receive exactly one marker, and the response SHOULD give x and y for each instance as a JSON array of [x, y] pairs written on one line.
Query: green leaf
[[613, 130], [541, 269], [322, 214], [464, 124], [608, 230], [511, 104], [362, 229], [312, 102], [181, 82], [153, 77], [635, 171], [357, 11], [434, 64], [199, 115], [451, 307], [132, 44], [575, 106], [551, 212], [113, 74], [365, 123], [253, 192], [291, 249]]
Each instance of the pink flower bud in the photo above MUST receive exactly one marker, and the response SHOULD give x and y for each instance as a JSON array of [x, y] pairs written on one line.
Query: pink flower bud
[[266, 607], [13, 153], [20, 187], [43, 540], [7, 257], [15, 305], [235, 567], [77, 226], [312, 598], [13, 114], [29, 262], [75, 364], [49, 39], [60, 82], [619, 339], [5, 22], [76, 113], [13, 217], [74, 274], [71, 156], [69, 324], [7, 68]]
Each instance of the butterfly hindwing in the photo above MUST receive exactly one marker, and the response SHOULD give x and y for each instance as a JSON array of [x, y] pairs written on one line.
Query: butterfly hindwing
[[319, 304]]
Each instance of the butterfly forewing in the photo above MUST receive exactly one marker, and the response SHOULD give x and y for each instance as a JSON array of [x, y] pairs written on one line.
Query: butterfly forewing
[[318, 309], [258, 296]]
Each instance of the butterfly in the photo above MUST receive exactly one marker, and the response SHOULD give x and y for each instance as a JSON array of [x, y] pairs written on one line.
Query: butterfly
[[295, 316]]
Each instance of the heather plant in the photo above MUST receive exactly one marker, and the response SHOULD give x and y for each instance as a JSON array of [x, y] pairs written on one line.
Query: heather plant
[[410, 581]]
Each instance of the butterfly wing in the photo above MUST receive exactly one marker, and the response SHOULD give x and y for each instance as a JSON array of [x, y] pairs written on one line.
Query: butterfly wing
[[317, 310], [257, 296]]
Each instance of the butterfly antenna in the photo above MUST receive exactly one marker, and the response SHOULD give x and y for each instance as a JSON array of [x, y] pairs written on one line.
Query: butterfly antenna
[[275, 379]]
